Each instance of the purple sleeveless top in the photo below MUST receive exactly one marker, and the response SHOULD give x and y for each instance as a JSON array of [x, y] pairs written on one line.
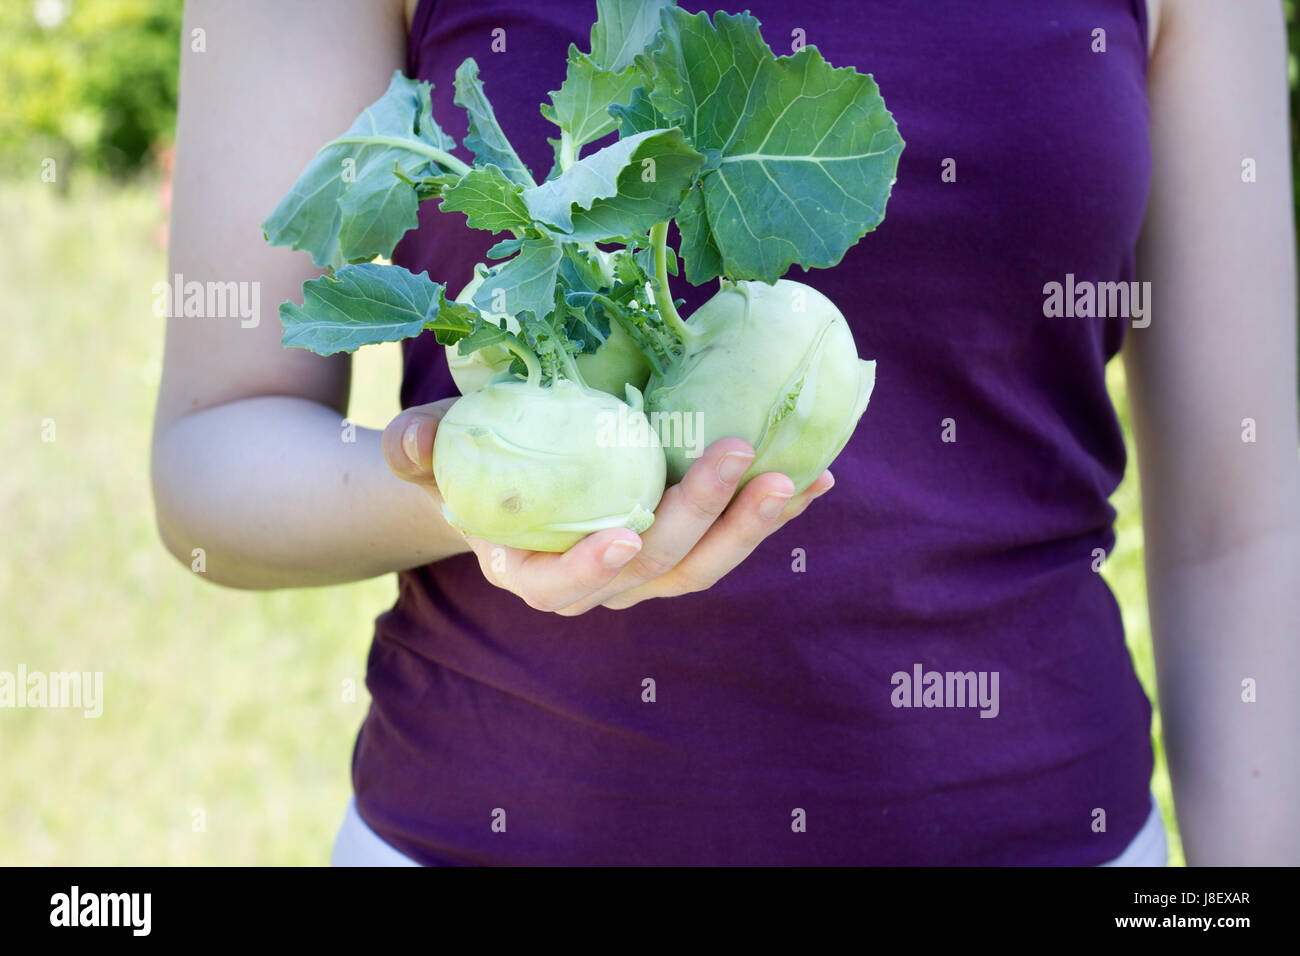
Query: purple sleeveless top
[[773, 737]]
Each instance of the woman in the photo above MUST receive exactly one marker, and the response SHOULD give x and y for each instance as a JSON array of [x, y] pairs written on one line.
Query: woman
[[761, 712]]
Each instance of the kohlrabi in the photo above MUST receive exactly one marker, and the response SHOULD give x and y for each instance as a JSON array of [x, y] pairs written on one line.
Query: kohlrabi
[[473, 370], [616, 363], [517, 464], [773, 364], [763, 162]]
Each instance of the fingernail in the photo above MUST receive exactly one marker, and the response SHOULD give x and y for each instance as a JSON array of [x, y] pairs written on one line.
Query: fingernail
[[773, 504], [620, 553], [733, 465], [411, 443]]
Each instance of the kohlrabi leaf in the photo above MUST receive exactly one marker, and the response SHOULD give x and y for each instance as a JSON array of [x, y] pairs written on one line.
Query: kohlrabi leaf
[[486, 140], [504, 248], [586, 329], [525, 283], [368, 303], [703, 261], [557, 150], [358, 196], [548, 341], [605, 76], [429, 187], [645, 259], [484, 334], [622, 30], [488, 199], [580, 269], [589, 323], [638, 115], [620, 190], [703, 76], [800, 156], [630, 269], [580, 107]]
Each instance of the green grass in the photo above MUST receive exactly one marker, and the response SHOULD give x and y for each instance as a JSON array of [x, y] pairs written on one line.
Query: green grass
[[225, 702], [222, 702]]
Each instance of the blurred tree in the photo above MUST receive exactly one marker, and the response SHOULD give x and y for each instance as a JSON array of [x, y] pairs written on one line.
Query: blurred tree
[[89, 83]]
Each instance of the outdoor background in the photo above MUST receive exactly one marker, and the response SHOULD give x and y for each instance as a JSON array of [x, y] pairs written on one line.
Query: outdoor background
[[228, 731]]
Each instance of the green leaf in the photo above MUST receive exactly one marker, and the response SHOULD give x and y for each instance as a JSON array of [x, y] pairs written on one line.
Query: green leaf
[[587, 329], [607, 75], [703, 261], [369, 303], [557, 149], [488, 199], [631, 268], [638, 115], [506, 247], [430, 187], [375, 213], [485, 334], [704, 75], [800, 156], [486, 140], [645, 258], [359, 195], [622, 30], [580, 270], [622, 189], [525, 283], [581, 105]]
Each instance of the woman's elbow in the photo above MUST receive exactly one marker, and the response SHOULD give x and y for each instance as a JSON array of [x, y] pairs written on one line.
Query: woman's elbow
[[174, 510]]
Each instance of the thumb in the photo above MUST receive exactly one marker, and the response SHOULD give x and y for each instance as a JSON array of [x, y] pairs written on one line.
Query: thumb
[[408, 440]]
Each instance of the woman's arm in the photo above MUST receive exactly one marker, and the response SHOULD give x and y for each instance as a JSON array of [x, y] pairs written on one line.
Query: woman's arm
[[1222, 514], [249, 458]]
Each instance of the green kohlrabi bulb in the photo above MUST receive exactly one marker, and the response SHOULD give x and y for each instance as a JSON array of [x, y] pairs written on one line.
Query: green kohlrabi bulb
[[473, 371], [775, 365], [540, 467], [616, 364]]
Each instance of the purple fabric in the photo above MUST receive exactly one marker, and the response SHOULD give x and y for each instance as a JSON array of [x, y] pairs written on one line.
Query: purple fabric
[[773, 689]]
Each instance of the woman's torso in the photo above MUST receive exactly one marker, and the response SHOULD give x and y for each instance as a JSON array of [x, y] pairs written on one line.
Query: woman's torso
[[960, 537]]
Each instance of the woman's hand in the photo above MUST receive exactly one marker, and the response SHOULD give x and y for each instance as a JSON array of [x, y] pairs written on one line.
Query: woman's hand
[[699, 533]]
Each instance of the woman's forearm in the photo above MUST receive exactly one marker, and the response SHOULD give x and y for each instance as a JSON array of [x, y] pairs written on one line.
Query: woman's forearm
[[275, 494], [1227, 641]]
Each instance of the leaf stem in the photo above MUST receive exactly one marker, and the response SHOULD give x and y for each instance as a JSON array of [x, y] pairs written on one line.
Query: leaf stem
[[440, 156], [525, 355], [663, 295], [568, 154], [570, 369]]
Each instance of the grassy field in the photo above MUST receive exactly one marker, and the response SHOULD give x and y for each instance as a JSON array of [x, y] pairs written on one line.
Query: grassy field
[[226, 732]]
